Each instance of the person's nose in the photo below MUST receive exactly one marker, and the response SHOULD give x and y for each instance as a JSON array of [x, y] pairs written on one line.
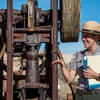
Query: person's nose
[[83, 38]]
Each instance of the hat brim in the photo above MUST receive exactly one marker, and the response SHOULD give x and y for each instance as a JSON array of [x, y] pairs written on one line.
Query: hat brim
[[90, 32]]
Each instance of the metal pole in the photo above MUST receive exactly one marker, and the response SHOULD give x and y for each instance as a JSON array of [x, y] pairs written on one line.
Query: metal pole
[[54, 49], [32, 67], [9, 52]]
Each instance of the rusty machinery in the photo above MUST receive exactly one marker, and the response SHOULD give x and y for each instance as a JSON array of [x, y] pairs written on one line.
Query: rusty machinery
[[22, 32]]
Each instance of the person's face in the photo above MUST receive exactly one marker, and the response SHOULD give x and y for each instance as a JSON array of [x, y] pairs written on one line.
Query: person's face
[[89, 40]]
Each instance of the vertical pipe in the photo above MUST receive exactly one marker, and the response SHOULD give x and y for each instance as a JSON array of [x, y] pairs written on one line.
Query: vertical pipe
[[54, 49], [24, 12], [32, 73], [9, 52], [32, 67]]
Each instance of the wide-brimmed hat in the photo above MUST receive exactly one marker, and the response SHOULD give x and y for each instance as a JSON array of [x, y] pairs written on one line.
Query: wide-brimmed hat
[[91, 27]]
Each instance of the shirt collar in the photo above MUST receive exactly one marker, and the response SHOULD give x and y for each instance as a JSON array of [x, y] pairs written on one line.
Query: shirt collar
[[97, 51]]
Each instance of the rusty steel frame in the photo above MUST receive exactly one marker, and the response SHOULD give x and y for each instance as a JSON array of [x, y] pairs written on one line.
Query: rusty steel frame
[[9, 52], [54, 38]]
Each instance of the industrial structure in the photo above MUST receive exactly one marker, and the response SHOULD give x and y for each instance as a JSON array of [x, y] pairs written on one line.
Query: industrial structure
[[21, 34]]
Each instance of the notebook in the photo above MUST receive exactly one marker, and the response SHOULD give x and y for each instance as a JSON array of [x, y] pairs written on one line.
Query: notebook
[[94, 62]]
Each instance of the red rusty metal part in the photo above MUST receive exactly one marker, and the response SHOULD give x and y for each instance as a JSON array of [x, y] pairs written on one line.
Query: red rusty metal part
[[54, 49], [9, 52], [19, 37]]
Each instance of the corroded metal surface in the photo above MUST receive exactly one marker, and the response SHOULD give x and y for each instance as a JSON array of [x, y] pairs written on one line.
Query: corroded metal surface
[[31, 14], [31, 26], [9, 52], [54, 49], [32, 67]]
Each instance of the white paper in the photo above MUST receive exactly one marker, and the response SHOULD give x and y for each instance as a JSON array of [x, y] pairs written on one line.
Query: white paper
[[94, 62]]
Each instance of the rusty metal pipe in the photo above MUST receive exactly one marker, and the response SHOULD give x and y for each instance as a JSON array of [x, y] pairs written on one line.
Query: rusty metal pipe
[[32, 74], [54, 49], [36, 29], [32, 67], [24, 11], [9, 52]]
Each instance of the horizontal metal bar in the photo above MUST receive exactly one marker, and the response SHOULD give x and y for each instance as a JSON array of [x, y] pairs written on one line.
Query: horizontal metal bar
[[36, 29]]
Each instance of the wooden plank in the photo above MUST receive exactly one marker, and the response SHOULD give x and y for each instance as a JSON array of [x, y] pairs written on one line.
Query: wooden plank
[[70, 20]]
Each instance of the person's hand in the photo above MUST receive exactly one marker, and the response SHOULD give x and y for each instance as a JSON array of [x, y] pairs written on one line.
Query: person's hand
[[90, 73], [61, 62]]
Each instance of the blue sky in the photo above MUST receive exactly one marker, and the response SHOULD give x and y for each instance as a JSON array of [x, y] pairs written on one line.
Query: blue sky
[[89, 11]]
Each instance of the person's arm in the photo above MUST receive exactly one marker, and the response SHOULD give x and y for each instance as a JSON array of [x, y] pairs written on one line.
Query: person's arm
[[68, 75]]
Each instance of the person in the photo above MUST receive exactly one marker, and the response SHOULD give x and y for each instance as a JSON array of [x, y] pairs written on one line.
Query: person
[[90, 38]]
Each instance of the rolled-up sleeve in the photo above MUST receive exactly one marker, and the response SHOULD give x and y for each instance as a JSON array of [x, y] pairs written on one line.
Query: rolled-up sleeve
[[73, 64]]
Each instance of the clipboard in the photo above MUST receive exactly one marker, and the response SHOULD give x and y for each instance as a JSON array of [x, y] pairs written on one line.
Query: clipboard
[[94, 62]]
